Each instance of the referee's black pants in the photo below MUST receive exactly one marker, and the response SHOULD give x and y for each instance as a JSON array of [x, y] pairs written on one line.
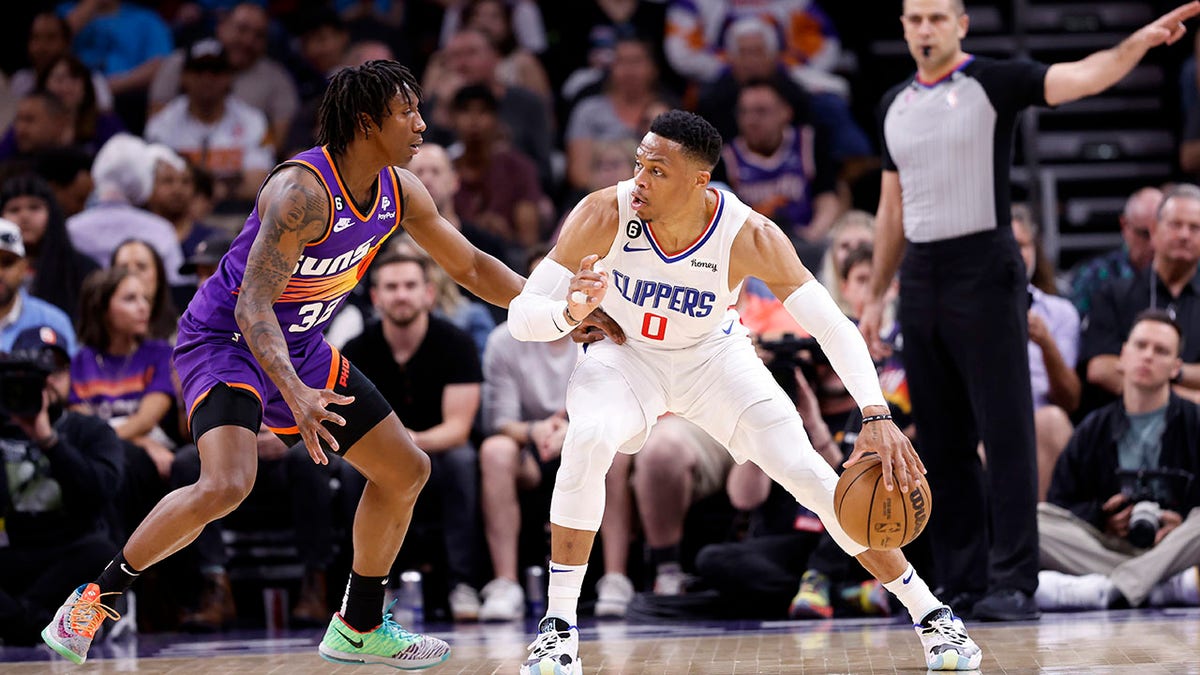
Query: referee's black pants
[[963, 305]]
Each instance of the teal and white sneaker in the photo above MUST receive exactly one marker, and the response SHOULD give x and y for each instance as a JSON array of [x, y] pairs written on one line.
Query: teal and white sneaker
[[555, 651], [947, 645], [75, 623], [389, 644]]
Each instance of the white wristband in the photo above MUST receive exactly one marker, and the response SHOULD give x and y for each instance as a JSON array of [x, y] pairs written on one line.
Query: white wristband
[[536, 314]]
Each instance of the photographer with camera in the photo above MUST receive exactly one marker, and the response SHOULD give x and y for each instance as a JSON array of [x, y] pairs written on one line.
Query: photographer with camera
[[1122, 518], [55, 485]]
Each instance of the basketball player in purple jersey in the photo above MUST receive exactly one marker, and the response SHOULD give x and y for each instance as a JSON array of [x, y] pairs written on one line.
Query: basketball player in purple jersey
[[250, 351], [675, 252]]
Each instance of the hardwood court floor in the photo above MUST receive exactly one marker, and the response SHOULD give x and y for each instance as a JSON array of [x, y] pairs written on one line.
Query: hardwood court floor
[[1100, 642]]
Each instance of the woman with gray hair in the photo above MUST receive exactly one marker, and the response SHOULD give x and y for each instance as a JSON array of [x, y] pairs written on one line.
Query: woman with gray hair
[[124, 176]]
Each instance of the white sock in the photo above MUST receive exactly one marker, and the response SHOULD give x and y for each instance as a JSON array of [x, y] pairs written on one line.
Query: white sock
[[1181, 589], [912, 591], [563, 595]]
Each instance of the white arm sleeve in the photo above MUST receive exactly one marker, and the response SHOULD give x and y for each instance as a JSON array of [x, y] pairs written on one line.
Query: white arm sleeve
[[818, 314], [536, 314]]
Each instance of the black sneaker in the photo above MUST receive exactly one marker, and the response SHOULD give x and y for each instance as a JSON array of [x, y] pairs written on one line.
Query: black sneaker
[[1006, 605], [963, 603]]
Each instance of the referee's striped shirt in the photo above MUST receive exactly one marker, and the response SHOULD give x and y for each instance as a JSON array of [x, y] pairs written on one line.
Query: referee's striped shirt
[[952, 142]]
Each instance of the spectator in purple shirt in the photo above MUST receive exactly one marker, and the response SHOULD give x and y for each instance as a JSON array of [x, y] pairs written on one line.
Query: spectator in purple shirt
[[1053, 349], [120, 375]]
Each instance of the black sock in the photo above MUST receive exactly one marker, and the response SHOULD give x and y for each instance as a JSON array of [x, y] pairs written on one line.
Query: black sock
[[362, 606], [664, 555], [118, 576]]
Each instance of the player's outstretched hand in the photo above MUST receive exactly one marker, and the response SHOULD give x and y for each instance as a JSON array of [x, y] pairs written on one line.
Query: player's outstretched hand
[[309, 408], [1169, 28], [894, 449], [588, 287]]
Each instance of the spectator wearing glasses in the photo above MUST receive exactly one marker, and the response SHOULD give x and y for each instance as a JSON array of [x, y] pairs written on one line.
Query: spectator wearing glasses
[[1141, 210], [1170, 283]]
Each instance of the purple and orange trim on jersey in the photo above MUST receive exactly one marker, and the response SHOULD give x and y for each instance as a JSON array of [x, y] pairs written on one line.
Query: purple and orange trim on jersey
[[328, 193], [133, 384], [233, 385], [339, 376], [337, 176], [322, 289]]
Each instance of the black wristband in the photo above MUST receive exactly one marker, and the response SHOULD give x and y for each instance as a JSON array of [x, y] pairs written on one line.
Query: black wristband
[[570, 319], [877, 418]]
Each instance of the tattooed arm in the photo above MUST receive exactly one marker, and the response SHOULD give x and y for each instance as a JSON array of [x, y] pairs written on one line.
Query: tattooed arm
[[294, 209]]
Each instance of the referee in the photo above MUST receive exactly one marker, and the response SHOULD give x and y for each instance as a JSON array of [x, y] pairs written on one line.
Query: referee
[[963, 304]]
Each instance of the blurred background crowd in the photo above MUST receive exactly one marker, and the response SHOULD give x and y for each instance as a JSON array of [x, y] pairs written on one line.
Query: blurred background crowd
[[135, 135]]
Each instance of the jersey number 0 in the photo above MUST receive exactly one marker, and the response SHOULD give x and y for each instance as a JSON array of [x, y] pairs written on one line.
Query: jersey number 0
[[654, 326]]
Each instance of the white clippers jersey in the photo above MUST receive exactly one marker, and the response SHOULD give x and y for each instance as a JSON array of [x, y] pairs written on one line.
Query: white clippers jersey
[[673, 300]]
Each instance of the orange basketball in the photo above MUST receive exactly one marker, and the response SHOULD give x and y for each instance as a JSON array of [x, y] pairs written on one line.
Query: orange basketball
[[872, 515]]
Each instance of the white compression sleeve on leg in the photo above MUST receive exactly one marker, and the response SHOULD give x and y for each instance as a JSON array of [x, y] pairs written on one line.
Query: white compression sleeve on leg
[[818, 314], [536, 314]]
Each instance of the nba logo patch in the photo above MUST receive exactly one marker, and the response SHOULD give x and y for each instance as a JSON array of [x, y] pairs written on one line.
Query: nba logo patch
[[952, 99]]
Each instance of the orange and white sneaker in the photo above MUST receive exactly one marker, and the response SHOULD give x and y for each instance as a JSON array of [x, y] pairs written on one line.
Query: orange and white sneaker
[[75, 624]]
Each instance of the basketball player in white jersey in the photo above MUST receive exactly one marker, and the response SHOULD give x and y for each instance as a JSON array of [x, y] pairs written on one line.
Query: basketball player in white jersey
[[665, 255]]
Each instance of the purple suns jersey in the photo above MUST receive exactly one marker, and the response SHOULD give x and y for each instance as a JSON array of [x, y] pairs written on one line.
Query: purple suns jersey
[[780, 186], [327, 271]]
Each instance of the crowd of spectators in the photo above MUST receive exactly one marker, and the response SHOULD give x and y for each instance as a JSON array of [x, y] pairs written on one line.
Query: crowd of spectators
[[142, 132]]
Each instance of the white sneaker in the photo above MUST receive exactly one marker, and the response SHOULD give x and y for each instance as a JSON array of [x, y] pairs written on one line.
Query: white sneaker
[[464, 603], [1181, 590], [555, 651], [670, 580], [614, 592], [1057, 591], [503, 600], [947, 645]]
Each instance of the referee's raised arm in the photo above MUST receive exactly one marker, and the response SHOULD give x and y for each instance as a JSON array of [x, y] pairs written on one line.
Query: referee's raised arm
[[944, 223]]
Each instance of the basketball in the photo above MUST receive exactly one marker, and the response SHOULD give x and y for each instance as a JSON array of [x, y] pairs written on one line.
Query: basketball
[[872, 515]]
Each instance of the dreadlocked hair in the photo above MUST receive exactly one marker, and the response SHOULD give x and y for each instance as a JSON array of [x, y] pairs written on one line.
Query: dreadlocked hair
[[361, 90]]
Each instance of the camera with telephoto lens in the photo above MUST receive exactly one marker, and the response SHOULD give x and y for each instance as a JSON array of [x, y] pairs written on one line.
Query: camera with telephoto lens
[[1151, 491], [22, 381], [788, 352]]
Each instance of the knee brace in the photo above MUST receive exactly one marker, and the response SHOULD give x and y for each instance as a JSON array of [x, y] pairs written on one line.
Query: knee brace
[[771, 434], [592, 441]]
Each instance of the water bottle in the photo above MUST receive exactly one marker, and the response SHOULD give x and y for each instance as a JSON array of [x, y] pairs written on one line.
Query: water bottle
[[410, 608], [535, 590]]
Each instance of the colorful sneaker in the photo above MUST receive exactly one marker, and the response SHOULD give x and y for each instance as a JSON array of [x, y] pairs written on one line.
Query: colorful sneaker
[[75, 624], [555, 651], [812, 600], [389, 645], [869, 598], [947, 645]]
